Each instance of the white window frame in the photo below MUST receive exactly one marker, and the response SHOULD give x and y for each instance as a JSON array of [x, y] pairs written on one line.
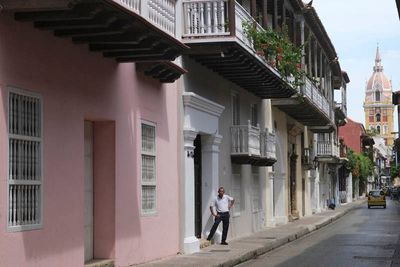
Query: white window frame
[[154, 183], [27, 227]]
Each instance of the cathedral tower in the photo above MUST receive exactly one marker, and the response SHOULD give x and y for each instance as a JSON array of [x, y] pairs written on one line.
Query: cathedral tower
[[378, 105]]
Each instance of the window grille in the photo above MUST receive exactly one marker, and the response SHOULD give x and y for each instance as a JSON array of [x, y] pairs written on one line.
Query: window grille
[[148, 167], [24, 161]]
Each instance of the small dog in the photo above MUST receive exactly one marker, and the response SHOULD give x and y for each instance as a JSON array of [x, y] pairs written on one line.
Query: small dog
[[332, 206]]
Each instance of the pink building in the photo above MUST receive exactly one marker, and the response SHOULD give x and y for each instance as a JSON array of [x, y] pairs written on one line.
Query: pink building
[[88, 147]]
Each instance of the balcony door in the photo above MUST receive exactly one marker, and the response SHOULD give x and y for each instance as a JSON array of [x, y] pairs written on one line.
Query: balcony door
[[197, 187]]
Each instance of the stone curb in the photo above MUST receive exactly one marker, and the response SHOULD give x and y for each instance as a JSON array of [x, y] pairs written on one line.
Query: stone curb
[[304, 230]]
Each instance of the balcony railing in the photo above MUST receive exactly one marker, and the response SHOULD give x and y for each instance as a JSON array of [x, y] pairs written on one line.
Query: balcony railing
[[327, 149], [267, 146], [210, 18], [245, 140], [314, 95], [251, 145], [161, 13]]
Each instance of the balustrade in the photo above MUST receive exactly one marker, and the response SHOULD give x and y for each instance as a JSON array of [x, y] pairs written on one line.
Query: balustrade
[[268, 141], [245, 140], [314, 95], [325, 148], [210, 18], [161, 13]]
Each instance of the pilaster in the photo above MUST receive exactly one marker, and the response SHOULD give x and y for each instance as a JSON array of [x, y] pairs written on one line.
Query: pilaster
[[190, 243]]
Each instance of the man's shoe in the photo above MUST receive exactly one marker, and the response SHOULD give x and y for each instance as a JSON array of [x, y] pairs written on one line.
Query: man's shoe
[[224, 243]]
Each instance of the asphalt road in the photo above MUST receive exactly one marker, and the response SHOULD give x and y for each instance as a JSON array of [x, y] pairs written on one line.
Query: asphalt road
[[363, 237]]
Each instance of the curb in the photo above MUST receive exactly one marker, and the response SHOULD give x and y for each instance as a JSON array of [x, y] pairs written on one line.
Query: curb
[[288, 239]]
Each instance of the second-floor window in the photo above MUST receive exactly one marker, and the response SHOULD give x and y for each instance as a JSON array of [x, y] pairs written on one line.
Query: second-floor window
[[254, 114], [235, 109]]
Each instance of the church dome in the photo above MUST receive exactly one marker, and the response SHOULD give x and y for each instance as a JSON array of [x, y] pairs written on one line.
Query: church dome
[[379, 88]]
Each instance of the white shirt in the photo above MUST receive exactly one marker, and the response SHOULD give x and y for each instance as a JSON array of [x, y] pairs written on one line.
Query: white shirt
[[221, 204]]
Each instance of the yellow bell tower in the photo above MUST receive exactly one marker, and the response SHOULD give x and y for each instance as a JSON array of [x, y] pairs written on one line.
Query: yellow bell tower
[[378, 105]]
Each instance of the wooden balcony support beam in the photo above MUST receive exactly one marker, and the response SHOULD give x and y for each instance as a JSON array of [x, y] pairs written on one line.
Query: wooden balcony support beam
[[19, 5]]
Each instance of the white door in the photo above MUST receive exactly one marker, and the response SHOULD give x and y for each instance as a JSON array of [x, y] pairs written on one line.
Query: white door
[[88, 224]]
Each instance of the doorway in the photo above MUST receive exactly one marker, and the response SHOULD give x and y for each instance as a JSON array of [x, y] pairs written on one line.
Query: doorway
[[197, 187]]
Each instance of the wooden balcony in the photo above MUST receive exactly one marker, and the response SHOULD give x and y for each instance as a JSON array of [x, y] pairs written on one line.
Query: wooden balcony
[[327, 152], [250, 145], [310, 108], [125, 30], [213, 29]]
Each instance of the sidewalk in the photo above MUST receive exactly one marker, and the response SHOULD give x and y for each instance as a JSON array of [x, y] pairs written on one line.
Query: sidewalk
[[246, 248]]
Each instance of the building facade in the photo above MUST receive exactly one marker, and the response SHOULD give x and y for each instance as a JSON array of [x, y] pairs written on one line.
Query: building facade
[[88, 145]]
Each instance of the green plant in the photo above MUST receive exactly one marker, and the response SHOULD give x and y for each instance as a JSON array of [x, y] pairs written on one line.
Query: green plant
[[278, 51]]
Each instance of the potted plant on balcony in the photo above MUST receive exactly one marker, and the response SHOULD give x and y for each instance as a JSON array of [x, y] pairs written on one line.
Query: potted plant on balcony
[[278, 51]]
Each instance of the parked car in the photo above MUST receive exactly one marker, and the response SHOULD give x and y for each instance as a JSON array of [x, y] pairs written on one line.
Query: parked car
[[376, 198]]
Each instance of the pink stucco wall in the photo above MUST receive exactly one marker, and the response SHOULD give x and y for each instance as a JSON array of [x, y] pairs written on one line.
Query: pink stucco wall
[[77, 84]]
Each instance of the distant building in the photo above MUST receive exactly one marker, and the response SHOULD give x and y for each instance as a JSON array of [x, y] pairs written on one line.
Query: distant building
[[352, 133], [378, 105]]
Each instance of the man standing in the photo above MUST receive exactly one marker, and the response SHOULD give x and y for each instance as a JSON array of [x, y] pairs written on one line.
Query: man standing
[[220, 210]]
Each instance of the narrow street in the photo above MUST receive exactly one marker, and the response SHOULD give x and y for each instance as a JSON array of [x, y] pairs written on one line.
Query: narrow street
[[363, 237]]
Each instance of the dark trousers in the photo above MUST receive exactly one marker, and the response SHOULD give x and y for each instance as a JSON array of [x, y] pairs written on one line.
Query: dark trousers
[[224, 217]]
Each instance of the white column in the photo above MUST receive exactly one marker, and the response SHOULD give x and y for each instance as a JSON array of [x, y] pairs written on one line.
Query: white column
[[312, 192], [349, 188], [270, 201], [280, 192], [210, 179], [190, 243], [317, 194]]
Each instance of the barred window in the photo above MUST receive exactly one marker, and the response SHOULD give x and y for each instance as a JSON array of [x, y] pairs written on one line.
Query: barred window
[[24, 161], [148, 168]]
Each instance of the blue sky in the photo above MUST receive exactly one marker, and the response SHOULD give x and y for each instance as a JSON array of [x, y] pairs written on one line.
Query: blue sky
[[355, 27]]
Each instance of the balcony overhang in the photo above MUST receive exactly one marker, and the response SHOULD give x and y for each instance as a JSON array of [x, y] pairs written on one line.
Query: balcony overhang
[[227, 57], [254, 160], [328, 159], [322, 129], [164, 71], [303, 110], [107, 27]]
